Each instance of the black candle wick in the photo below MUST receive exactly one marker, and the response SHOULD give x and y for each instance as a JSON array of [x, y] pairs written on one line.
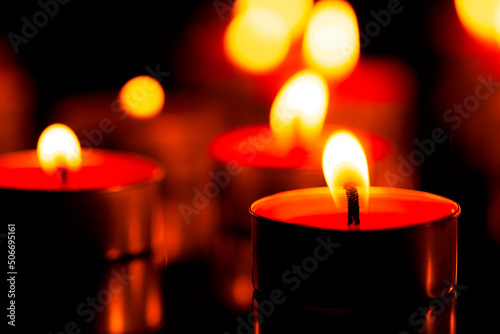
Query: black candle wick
[[352, 203], [62, 175]]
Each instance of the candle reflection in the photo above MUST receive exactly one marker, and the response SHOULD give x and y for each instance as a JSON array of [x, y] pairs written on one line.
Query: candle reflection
[[135, 304], [399, 318]]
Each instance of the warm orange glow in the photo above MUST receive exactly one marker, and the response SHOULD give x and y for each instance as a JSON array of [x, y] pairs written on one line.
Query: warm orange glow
[[117, 314], [344, 160], [294, 12], [480, 18], [257, 40], [331, 39], [242, 291], [142, 96], [299, 109], [58, 147], [154, 315]]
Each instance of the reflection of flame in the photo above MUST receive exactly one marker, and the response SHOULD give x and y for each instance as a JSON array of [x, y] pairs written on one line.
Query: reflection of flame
[[299, 109], [294, 12], [257, 40], [58, 147], [142, 96], [480, 18], [242, 291], [331, 39], [345, 161]]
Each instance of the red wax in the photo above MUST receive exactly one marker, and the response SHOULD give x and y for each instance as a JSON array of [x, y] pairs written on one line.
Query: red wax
[[254, 146], [100, 169], [388, 209]]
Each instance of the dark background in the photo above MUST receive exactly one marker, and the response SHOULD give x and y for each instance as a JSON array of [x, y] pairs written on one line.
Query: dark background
[[90, 46]]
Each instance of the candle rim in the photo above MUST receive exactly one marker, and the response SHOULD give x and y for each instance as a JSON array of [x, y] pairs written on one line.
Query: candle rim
[[223, 153], [158, 173], [321, 190]]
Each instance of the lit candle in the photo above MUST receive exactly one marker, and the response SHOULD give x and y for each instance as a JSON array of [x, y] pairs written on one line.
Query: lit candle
[[88, 235], [101, 204], [401, 244]]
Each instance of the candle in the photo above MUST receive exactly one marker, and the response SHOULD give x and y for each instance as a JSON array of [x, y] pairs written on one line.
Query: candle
[[405, 242], [101, 204], [88, 235]]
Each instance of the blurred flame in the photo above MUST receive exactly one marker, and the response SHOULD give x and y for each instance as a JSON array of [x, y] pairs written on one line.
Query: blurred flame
[[480, 18], [345, 161], [58, 147], [242, 291], [257, 40], [331, 39], [294, 12], [142, 96], [299, 109]]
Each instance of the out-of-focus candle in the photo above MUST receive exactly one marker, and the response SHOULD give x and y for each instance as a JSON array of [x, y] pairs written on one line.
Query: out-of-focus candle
[[406, 242], [104, 208], [331, 39], [80, 216]]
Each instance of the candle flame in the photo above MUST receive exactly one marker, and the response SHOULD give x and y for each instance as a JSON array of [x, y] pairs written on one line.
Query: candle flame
[[257, 40], [299, 109], [480, 18], [142, 97], [331, 39], [58, 147], [344, 161], [294, 12]]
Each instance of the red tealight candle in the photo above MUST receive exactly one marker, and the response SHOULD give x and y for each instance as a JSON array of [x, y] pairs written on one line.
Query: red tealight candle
[[99, 203], [405, 245]]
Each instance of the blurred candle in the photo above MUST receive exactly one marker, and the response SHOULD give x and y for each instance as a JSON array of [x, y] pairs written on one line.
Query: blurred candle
[[102, 202], [78, 211], [331, 39]]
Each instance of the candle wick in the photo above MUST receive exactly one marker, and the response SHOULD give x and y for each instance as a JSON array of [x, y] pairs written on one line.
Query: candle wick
[[352, 203], [62, 175]]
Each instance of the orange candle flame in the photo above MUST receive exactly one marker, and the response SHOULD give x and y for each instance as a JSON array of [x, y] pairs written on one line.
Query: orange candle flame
[[480, 18], [344, 161], [294, 12], [142, 97], [299, 110], [331, 39], [59, 148], [257, 40]]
